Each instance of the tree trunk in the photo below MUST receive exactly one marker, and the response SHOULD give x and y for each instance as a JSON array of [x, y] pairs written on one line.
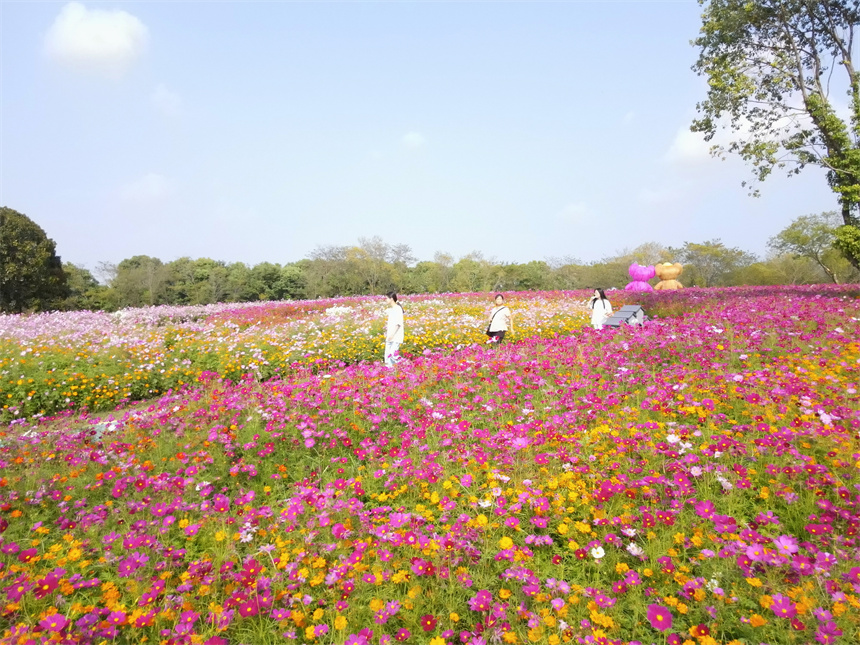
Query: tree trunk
[[828, 271], [847, 217]]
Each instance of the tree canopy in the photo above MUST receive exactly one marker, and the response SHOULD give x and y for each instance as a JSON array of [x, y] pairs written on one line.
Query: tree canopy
[[813, 237], [781, 78], [31, 273]]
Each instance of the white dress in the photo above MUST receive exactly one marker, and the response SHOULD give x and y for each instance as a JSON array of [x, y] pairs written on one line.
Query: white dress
[[600, 310]]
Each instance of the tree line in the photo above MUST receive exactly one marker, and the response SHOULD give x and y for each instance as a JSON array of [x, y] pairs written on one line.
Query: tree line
[[33, 278]]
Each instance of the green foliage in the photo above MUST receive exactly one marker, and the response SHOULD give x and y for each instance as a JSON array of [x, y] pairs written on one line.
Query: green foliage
[[31, 273], [848, 241], [770, 67], [711, 263], [140, 280], [84, 290], [814, 237]]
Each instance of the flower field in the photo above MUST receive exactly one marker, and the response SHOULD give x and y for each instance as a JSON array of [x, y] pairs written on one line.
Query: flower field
[[96, 361], [694, 481]]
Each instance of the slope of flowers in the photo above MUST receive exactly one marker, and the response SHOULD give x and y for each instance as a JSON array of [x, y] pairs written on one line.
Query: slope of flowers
[[692, 481], [95, 360]]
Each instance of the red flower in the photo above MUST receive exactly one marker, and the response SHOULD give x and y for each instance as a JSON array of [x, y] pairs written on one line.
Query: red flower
[[700, 630], [428, 623]]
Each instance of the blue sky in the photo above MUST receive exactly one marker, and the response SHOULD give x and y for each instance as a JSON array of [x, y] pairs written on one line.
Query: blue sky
[[252, 131]]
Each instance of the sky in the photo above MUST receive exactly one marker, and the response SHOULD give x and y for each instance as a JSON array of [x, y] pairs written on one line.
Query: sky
[[260, 131]]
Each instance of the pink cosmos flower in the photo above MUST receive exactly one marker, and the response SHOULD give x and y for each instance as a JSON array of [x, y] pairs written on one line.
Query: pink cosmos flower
[[785, 544], [783, 606], [481, 601], [660, 617], [355, 639], [54, 622]]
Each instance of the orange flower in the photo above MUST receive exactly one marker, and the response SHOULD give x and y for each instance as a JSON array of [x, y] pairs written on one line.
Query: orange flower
[[757, 621]]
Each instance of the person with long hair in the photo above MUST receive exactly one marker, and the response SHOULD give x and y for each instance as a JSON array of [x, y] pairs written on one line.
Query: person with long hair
[[501, 320], [601, 308], [393, 329]]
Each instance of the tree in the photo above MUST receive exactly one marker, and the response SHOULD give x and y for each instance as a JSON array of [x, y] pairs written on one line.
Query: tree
[[711, 263], [810, 236], [772, 66], [531, 276], [84, 290], [291, 284], [31, 273], [473, 273], [140, 280]]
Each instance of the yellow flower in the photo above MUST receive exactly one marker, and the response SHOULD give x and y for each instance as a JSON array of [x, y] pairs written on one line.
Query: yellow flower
[[340, 622], [506, 543], [437, 641], [562, 529], [504, 594], [454, 617], [754, 582], [376, 604]]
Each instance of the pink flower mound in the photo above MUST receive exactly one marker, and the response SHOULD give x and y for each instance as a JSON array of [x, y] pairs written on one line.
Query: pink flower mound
[[640, 275]]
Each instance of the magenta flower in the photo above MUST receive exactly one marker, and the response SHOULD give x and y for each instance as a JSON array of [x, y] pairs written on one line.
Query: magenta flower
[[827, 633], [755, 552], [481, 601], [660, 617], [355, 639], [783, 606], [116, 617], [786, 544], [54, 622]]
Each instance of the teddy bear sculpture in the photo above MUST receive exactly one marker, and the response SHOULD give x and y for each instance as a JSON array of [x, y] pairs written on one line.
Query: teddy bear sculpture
[[639, 275], [668, 273]]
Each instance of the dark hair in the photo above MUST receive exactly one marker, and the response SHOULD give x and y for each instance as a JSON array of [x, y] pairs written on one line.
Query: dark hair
[[602, 295], [392, 295], [498, 295]]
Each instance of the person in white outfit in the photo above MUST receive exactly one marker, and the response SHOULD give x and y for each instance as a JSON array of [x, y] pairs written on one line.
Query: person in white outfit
[[601, 309], [393, 330], [501, 320]]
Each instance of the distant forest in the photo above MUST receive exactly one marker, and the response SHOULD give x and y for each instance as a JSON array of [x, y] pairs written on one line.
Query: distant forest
[[802, 253], [374, 266]]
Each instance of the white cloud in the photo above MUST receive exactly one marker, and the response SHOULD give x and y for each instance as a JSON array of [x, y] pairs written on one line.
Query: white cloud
[[166, 102], [413, 140], [575, 212], [688, 147], [152, 187], [104, 42]]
